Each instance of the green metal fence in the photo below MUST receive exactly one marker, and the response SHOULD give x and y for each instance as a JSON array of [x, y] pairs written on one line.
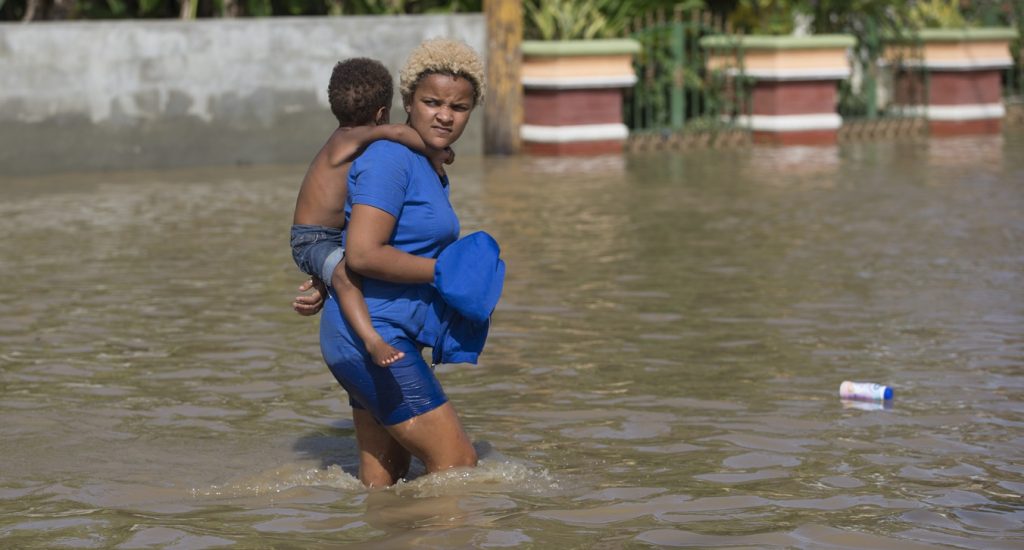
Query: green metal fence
[[674, 91], [676, 94], [1014, 88], [1003, 13], [859, 98], [882, 87]]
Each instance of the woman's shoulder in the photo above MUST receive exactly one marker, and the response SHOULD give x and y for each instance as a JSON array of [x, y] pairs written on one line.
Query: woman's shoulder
[[381, 156]]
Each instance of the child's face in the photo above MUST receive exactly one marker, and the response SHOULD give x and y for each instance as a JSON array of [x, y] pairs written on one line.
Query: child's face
[[440, 109]]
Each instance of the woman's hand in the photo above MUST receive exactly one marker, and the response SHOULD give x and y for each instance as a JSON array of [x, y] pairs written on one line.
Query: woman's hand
[[311, 298]]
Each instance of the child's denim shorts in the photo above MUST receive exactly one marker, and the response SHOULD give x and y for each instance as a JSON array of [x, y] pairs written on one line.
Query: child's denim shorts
[[317, 250]]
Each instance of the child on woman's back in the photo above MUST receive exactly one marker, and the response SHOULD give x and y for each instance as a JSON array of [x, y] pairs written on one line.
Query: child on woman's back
[[360, 95]]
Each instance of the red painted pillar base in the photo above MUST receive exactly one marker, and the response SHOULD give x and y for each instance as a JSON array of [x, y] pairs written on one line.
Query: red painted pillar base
[[962, 102], [794, 112], [575, 148], [805, 137], [573, 122], [794, 98], [949, 128], [953, 78]]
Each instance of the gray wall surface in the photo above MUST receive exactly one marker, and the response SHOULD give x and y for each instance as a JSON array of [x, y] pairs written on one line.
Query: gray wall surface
[[157, 94]]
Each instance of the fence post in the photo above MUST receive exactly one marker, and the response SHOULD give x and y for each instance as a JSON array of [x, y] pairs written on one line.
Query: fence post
[[651, 46], [870, 69], [679, 65], [503, 108]]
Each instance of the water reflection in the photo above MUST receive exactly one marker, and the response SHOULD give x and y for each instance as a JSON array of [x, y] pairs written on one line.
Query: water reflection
[[662, 368], [863, 405]]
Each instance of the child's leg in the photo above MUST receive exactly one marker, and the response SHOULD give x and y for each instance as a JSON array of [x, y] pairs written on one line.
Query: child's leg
[[348, 285]]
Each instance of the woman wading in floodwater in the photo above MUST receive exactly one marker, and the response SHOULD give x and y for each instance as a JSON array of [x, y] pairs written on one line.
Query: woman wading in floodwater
[[400, 220]]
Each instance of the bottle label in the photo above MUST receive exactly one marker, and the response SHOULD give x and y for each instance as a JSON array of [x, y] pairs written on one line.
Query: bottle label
[[868, 391]]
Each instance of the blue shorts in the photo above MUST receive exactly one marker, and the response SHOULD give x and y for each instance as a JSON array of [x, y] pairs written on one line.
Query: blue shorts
[[317, 250], [405, 389]]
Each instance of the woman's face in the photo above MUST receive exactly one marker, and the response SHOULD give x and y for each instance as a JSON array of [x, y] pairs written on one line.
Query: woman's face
[[440, 109]]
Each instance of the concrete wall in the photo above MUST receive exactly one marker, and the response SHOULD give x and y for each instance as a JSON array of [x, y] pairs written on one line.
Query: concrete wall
[[155, 94]]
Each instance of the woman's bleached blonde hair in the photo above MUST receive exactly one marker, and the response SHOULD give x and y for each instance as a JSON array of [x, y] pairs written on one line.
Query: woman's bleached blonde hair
[[442, 56]]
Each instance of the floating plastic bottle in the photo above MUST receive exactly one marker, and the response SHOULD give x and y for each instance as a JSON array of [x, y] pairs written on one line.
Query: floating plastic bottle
[[864, 391]]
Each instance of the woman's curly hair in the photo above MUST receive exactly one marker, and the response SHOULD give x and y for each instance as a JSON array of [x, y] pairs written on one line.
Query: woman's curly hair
[[442, 56], [359, 87]]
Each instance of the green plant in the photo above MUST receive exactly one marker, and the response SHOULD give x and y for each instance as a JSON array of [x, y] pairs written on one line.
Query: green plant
[[397, 7], [852, 103], [564, 19], [589, 19], [772, 17], [936, 14], [12, 10]]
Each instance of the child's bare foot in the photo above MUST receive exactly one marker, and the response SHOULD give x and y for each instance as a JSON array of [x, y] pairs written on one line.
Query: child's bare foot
[[382, 353]]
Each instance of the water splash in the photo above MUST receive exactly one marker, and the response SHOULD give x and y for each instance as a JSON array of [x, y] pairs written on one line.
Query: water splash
[[283, 478], [494, 473]]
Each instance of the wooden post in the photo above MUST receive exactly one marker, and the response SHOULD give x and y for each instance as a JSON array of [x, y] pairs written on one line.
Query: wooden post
[[503, 106]]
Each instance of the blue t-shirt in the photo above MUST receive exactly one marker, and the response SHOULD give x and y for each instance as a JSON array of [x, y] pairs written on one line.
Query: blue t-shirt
[[393, 178]]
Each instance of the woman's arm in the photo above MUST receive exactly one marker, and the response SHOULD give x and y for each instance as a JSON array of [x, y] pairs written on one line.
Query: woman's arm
[[369, 254]]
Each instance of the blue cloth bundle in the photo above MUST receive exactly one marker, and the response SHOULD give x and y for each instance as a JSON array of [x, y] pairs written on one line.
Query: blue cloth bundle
[[469, 276]]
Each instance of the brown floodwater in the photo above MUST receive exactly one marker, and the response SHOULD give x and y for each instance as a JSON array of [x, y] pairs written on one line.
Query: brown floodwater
[[663, 368]]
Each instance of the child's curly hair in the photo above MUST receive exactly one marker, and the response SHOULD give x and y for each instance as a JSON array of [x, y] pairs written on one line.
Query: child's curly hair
[[442, 56], [359, 87]]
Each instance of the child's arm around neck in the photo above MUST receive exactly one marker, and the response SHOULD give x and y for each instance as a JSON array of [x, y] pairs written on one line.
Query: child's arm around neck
[[353, 140]]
